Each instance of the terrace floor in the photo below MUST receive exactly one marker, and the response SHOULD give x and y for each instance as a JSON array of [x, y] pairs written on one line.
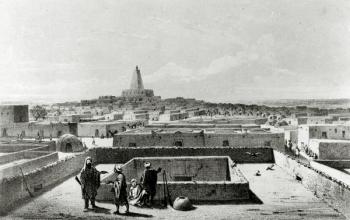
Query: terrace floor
[[283, 197]]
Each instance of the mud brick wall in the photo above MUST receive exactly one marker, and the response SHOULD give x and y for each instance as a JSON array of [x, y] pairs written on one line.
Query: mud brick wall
[[13, 189], [272, 140], [338, 164], [332, 191], [30, 165], [196, 192], [239, 155], [205, 191], [13, 147], [32, 129], [197, 169], [27, 154]]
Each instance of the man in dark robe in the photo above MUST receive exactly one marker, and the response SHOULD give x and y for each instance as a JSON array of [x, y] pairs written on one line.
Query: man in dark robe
[[121, 195], [90, 182], [149, 183]]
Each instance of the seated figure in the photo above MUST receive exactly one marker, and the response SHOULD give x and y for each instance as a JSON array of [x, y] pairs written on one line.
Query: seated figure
[[135, 193]]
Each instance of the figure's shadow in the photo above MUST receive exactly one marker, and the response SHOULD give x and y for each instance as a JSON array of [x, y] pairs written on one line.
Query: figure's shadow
[[135, 214], [156, 205], [99, 209], [253, 199]]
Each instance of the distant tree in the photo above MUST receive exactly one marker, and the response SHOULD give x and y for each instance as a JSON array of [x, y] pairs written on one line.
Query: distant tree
[[38, 112], [58, 112], [110, 108]]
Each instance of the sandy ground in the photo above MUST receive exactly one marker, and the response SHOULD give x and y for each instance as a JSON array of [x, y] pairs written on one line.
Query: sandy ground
[[282, 198]]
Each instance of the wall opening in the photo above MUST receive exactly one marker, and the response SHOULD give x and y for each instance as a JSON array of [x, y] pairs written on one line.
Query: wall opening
[[132, 144], [225, 143], [69, 147], [4, 132], [267, 143], [178, 143], [97, 133], [324, 134], [59, 133]]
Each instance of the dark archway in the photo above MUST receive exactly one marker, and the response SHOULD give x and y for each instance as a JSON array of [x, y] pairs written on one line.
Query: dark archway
[[178, 143], [4, 132], [69, 147], [225, 143]]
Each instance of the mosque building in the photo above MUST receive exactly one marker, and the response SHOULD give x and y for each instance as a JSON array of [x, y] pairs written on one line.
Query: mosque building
[[134, 97], [137, 95]]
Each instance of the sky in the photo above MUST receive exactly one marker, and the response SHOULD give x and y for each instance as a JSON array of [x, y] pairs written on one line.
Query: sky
[[221, 51]]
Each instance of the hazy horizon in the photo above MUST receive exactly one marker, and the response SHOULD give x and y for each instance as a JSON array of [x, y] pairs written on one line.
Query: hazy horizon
[[217, 51]]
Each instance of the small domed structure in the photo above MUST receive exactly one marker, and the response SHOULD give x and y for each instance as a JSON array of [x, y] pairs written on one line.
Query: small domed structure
[[69, 143]]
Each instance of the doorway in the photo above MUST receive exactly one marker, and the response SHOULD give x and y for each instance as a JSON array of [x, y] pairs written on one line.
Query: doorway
[[69, 147]]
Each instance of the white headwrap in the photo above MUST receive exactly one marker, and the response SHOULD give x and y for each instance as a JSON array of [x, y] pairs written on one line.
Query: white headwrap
[[86, 159]]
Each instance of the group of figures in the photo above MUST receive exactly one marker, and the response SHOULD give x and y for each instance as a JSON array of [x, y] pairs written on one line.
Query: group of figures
[[139, 194]]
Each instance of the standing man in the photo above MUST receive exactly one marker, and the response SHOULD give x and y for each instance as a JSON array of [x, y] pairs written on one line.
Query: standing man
[[149, 183], [121, 195], [90, 182]]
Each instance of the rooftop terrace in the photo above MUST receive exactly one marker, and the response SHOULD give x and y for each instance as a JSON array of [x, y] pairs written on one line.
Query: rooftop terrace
[[274, 200]]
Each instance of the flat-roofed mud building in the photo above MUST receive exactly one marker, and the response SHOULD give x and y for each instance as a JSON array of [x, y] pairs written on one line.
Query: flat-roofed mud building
[[198, 138]]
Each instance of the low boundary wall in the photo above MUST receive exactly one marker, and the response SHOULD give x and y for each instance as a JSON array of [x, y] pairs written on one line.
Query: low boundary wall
[[238, 155], [27, 154], [332, 191], [21, 146], [13, 190], [40, 159], [233, 186], [337, 164]]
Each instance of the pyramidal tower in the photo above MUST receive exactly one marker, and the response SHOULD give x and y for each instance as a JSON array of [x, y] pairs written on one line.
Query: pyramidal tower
[[136, 81], [137, 93]]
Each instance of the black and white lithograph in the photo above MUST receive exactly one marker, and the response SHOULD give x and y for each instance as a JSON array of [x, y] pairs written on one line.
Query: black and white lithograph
[[174, 109]]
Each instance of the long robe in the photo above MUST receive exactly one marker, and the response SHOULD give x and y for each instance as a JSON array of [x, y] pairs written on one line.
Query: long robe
[[135, 195], [90, 182], [149, 181], [120, 192]]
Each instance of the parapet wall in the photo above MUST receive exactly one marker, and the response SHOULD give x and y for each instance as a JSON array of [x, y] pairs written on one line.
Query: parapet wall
[[44, 159], [239, 155], [32, 129], [272, 140], [197, 168], [19, 146], [28, 154], [337, 164], [334, 192], [196, 192], [13, 190], [212, 178]]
